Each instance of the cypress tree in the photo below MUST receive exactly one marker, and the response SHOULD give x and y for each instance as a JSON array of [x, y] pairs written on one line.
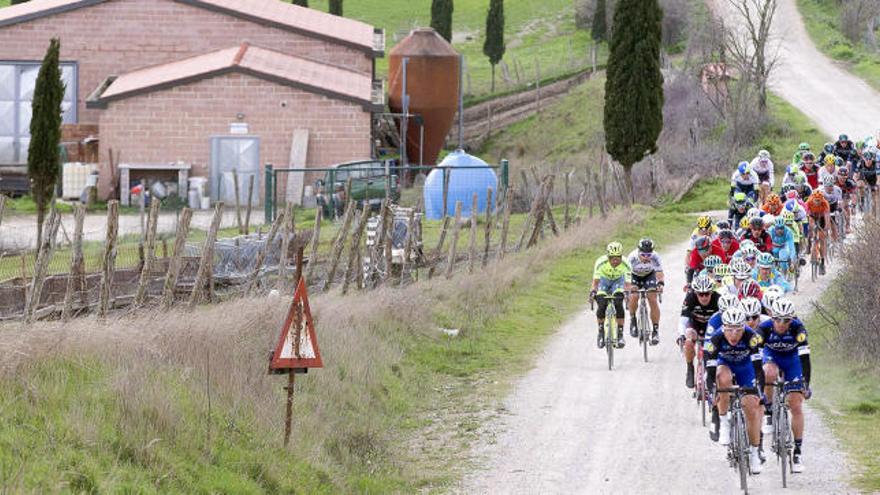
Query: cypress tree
[[441, 18], [494, 47], [336, 7], [634, 86], [301, 3], [599, 31], [43, 155]]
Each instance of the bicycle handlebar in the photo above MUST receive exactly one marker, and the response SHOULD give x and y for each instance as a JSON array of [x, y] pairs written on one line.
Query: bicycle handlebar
[[737, 390]]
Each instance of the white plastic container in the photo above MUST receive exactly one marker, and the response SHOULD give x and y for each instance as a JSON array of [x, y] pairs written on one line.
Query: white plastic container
[[194, 199], [205, 202]]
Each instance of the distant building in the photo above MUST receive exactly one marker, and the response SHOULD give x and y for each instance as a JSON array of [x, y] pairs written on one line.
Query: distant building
[[216, 84]]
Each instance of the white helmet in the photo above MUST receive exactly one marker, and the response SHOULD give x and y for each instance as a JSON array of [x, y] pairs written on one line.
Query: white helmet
[[764, 155], [733, 316], [768, 220], [702, 284], [740, 269], [828, 180], [753, 212], [747, 242], [751, 306], [783, 308], [727, 301]]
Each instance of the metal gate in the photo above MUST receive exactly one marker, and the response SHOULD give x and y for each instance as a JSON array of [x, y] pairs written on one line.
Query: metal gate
[[234, 153]]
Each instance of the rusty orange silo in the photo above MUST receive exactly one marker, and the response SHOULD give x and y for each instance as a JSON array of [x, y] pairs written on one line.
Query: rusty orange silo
[[432, 85]]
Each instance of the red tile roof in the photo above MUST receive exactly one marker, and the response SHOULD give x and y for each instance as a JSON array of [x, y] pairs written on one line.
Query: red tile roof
[[276, 13], [298, 72]]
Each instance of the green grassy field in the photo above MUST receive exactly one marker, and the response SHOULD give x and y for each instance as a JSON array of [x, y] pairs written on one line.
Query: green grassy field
[[822, 19], [848, 395]]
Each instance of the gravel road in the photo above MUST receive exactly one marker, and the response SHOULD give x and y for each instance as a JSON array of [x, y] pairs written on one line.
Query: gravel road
[[572, 426]]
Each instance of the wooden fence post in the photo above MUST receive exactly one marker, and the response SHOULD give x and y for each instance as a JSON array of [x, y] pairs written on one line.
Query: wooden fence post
[[108, 260], [339, 244], [288, 232], [250, 205], [505, 225], [261, 254], [149, 254], [489, 224], [388, 248], [47, 248], [533, 214], [313, 250], [541, 209], [438, 252], [472, 246], [566, 219], [453, 244], [407, 244], [76, 273], [206, 263], [354, 248], [174, 264]]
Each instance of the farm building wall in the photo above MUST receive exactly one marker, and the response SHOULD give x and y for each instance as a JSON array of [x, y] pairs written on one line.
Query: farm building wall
[[114, 37], [177, 124]]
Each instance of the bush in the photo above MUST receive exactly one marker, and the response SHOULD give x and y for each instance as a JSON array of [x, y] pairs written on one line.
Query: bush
[[843, 51]]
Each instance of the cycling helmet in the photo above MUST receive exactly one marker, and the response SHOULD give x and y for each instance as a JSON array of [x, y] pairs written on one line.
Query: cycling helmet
[[614, 249], [722, 270], [751, 306], [646, 245], [838, 161], [702, 243], [808, 155], [829, 148], [743, 168], [816, 199], [828, 181], [702, 284], [725, 234], [783, 308], [756, 223], [748, 243], [770, 296], [780, 221], [733, 316], [793, 169], [712, 261], [704, 222], [768, 220], [722, 225], [739, 197], [753, 212], [791, 195], [727, 301], [750, 252], [829, 159], [787, 217], [804, 147], [843, 137], [741, 270], [843, 173], [764, 155], [773, 201], [749, 288], [800, 179], [765, 260], [869, 155], [744, 223]]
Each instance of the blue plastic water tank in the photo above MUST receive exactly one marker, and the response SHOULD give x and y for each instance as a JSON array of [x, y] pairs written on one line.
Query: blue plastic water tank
[[462, 185]]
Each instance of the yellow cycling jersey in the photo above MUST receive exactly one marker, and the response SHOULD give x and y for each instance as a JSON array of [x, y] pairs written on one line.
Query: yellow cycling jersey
[[603, 269], [713, 231]]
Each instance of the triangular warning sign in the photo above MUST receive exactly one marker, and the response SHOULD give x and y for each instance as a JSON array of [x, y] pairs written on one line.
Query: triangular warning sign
[[302, 353]]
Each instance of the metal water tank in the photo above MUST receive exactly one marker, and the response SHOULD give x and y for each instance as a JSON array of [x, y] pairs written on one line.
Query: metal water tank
[[432, 85]]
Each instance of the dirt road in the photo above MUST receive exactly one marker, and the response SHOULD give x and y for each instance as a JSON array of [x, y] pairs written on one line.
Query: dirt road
[[572, 426], [836, 100]]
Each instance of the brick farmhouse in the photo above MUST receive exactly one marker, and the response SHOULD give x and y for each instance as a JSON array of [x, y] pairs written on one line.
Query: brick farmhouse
[[216, 84]]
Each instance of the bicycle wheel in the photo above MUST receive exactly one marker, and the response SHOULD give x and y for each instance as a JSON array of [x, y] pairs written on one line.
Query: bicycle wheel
[[742, 451], [786, 443], [644, 336], [610, 340], [701, 390]]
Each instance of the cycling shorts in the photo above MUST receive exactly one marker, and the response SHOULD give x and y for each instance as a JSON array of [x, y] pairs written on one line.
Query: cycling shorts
[[743, 373], [820, 221], [608, 286], [648, 282], [789, 363], [764, 177]]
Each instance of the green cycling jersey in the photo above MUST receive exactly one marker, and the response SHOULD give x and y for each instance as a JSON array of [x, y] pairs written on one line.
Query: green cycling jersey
[[603, 270]]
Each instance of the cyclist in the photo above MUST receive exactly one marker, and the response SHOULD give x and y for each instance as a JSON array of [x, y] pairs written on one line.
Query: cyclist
[[725, 301], [763, 166], [725, 245], [783, 243], [827, 150], [803, 149], [828, 169], [611, 277], [733, 353], [785, 349], [744, 179], [647, 273], [810, 168], [766, 275], [758, 235], [773, 204], [845, 149], [819, 217], [868, 175], [849, 190], [790, 173], [740, 204], [771, 294], [700, 303], [697, 257], [834, 196], [802, 186], [794, 225], [749, 288], [704, 227]]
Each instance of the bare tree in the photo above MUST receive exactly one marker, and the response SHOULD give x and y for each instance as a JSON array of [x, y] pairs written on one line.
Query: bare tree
[[749, 45], [858, 19]]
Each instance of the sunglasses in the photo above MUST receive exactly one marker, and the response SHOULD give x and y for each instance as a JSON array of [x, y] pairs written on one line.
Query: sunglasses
[[733, 328], [753, 317], [645, 255], [750, 258], [781, 320], [704, 250], [704, 294]]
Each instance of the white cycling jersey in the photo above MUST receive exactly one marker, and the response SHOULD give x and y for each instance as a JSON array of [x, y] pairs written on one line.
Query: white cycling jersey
[[642, 267], [737, 179], [763, 169], [823, 172]]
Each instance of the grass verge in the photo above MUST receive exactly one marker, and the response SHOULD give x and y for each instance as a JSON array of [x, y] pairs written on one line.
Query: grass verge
[[822, 20], [848, 395]]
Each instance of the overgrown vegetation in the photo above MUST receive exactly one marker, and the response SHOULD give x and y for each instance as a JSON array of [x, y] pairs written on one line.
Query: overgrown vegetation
[[839, 31]]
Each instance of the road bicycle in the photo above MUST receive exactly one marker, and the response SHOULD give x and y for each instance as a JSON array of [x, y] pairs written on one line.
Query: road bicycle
[[783, 439], [609, 327], [643, 322], [738, 449], [817, 237], [700, 391]]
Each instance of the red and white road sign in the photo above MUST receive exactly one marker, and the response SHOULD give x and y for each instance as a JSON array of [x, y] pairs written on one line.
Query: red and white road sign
[[297, 347]]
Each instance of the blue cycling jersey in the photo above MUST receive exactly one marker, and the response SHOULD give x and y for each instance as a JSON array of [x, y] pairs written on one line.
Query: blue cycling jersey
[[720, 351], [793, 341]]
